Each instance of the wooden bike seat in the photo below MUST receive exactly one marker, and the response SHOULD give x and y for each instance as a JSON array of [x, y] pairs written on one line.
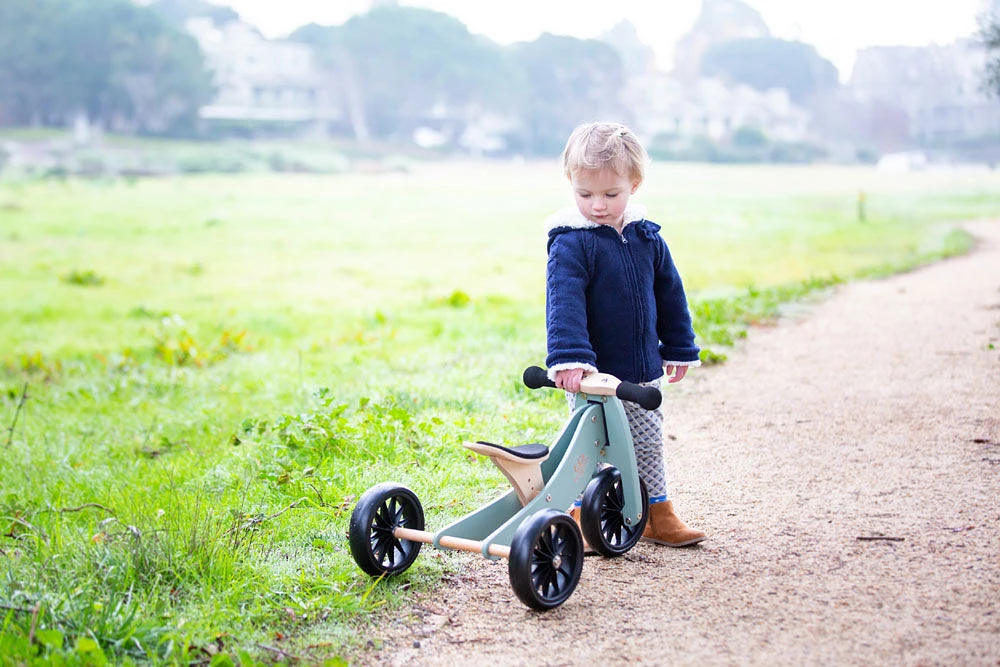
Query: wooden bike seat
[[521, 465], [534, 451]]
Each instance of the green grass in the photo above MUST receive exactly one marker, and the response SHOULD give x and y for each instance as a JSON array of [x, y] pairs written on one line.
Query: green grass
[[199, 375]]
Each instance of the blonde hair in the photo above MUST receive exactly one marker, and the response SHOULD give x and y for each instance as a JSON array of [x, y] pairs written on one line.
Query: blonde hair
[[603, 145]]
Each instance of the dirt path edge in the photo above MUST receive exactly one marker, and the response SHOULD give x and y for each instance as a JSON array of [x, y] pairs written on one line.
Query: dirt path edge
[[846, 465]]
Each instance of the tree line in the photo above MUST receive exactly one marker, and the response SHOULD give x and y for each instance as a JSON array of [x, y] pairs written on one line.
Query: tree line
[[397, 65], [134, 69], [110, 61]]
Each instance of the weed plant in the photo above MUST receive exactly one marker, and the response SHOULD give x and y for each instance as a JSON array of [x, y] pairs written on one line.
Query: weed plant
[[200, 375]]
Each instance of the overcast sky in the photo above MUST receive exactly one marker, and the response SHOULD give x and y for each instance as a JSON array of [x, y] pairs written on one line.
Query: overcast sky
[[836, 27]]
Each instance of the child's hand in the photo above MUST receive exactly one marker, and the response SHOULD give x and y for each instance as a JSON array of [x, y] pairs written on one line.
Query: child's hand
[[569, 379], [675, 373]]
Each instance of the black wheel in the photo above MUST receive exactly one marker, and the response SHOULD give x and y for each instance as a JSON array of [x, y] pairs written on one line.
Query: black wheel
[[380, 510], [546, 559], [601, 514]]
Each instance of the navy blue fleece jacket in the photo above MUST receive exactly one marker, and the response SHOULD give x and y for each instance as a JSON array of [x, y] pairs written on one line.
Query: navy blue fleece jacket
[[614, 302]]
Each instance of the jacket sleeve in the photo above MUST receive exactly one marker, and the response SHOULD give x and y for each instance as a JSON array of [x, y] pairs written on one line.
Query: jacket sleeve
[[673, 319], [567, 276]]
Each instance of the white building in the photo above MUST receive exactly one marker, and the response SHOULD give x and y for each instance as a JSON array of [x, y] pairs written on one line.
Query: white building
[[663, 105], [939, 88], [263, 80]]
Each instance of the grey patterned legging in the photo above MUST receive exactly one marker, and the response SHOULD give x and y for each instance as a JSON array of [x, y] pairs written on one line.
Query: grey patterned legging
[[646, 427]]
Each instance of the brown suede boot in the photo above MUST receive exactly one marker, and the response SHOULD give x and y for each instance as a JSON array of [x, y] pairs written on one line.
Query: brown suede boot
[[587, 549], [665, 527]]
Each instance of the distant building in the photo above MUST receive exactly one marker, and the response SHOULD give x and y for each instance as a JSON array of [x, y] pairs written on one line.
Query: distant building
[[263, 81], [939, 89], [664, 105], [683, 105]]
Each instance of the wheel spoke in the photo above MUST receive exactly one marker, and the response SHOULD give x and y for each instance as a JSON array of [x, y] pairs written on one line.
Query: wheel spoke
[[552, 589], [544, 549], [397, 545], [381, 534], [540, 561], [611, 516], [385, 545], [383, 521], [540, 576], [548, 547], [378, 549], [616, 497], [558, 543], [564, 572], [612, 531], [544, 580]]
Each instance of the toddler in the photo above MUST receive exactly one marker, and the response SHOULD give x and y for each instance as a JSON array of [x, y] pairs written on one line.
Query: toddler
[[615, 302]]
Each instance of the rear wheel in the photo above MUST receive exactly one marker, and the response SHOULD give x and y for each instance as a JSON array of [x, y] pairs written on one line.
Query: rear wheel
[[546, 559], [380, 510]]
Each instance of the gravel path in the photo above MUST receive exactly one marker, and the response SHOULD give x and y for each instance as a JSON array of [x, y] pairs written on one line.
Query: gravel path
[[873, 414]]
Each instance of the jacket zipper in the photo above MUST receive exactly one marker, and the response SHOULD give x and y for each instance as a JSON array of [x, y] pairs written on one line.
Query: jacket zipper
[[640, 353]]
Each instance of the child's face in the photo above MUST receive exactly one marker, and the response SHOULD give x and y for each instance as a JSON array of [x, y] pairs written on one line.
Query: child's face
[[602, 195]]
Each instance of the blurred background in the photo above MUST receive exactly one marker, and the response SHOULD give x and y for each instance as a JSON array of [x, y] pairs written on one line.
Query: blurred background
[[369, 83], [257, 256]]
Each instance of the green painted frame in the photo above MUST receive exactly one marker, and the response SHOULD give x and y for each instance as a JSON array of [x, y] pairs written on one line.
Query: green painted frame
[[596, 435]]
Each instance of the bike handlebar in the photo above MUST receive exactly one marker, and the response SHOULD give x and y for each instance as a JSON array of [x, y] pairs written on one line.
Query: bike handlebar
[[536, 378], [647, 397]]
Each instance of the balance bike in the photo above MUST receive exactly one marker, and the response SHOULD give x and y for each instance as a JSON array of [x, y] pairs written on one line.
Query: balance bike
[[529, 526]]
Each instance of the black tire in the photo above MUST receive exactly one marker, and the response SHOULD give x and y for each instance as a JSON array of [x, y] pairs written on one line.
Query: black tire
[[601, 514], [546, 559], [380, 510]]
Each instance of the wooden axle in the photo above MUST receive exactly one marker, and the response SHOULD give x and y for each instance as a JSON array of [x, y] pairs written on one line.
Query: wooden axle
[[458, 543]]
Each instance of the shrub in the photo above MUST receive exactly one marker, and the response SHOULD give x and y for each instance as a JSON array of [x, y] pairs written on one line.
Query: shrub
[[84, 278]]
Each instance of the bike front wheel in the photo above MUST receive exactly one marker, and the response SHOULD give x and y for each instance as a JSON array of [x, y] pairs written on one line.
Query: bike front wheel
[[602, 514]]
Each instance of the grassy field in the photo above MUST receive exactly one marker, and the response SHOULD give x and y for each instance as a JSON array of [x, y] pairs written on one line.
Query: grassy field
[[198, 375]]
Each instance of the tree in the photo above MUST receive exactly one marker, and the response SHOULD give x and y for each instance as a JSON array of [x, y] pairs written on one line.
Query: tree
[[108, 61], [31, 60], [989, 37], [178, 12], [397, 65], [134, 71], [568, 81], [328, 46], [764, 63]]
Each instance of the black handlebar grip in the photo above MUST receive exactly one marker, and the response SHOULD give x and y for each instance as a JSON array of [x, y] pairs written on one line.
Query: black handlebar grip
[[536, 378], [647, 397]]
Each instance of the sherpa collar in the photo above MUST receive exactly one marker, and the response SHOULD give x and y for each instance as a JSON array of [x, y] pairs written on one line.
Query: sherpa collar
[[572, 218]]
